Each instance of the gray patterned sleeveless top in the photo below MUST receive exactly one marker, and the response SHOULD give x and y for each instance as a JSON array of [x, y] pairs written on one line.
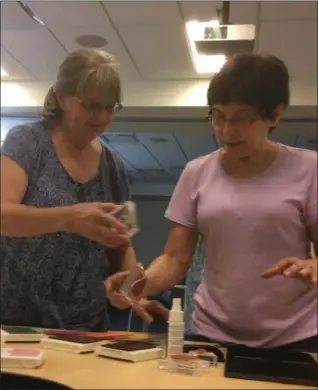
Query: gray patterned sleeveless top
[[56, 280]]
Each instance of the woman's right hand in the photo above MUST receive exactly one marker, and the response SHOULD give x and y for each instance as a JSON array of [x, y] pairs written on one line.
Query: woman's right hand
[[95, 222]]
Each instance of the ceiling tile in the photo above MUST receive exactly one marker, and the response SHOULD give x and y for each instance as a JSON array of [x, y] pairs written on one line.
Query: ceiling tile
[[176, 171], [67, 35], [68, 13], [72, 19], [200, 10], [131, 171], [143, 12], [300, 54], [286, 10], [168, 153], [159, 52], [196, 144], [136, 154], [133, 175], [243, 12], [121, 138], [156, 176], [285, 133], [37, 51], [15, 70], [306, 135], [158, 126], [13, 17]]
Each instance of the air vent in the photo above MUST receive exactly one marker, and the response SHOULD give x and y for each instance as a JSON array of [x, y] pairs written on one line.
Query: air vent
[[92, 41]]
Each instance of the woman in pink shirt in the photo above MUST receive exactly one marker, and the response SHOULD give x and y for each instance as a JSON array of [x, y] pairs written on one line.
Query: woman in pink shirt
[[255, 203]]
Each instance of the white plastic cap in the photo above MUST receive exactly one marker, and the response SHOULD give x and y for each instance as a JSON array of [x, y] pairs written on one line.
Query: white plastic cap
[[176, 304]]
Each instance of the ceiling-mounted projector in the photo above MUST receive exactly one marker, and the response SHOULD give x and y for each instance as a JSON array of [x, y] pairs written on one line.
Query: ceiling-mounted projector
[[211, 43], [227, 40]]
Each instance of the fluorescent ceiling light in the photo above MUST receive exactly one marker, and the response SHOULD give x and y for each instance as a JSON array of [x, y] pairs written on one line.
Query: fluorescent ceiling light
[[3, 72], [14, 95], [203, 63]]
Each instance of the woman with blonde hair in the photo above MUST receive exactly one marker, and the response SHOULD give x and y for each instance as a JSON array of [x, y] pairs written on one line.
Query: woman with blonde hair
[[59, 185]]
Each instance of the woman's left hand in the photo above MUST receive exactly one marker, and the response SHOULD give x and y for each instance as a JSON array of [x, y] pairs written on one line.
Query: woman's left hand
[[144, 308], [291, 267], [155, 309]]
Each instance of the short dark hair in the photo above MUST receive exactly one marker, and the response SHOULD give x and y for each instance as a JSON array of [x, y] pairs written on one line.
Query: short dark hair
[[257, 80]]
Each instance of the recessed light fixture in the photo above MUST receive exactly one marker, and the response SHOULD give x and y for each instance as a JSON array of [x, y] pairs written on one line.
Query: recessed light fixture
[[211, 43], [4, 73], [92, 41]]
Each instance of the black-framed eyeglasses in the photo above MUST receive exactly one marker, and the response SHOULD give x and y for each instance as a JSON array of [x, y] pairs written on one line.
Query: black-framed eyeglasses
[[95, 108], [218, 119]]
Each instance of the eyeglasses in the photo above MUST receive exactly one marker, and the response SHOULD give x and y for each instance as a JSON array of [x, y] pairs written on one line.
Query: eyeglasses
[[239, 120], [95, 108]]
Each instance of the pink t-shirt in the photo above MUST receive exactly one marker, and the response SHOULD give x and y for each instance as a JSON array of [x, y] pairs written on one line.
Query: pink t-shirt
[[248, 225]]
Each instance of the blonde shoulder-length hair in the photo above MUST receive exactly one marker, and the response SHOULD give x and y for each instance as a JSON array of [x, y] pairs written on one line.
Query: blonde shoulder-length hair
[[84, 72]]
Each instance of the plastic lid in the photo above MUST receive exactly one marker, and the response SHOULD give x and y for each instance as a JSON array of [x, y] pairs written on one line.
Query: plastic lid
[[176, 304]]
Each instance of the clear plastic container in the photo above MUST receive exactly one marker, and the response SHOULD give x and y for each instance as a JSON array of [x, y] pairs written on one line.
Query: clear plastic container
[[187, 367], [127, 214], [135, 274], [209, 357]]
